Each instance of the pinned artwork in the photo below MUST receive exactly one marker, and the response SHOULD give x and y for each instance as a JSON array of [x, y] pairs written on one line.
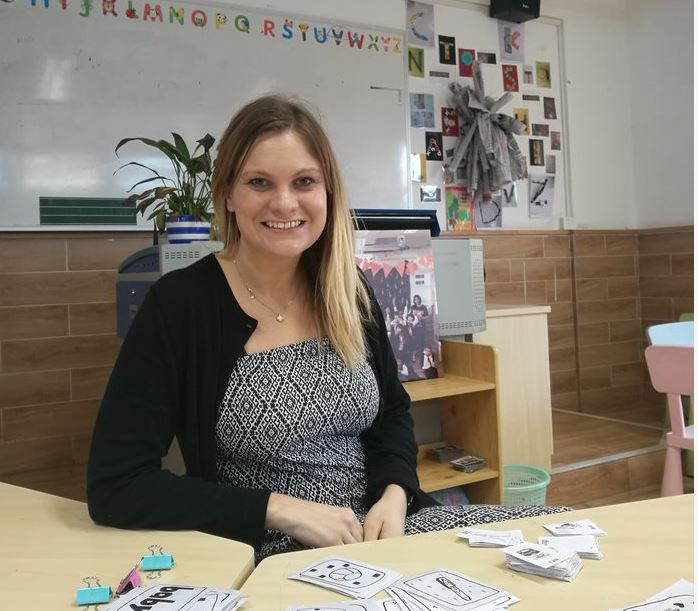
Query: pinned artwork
[[421, 110], [449, 121], [555, 141], [420, 20], [418, 167], [536, 152], [434, 146], [528, 75], [510, 76], [429, 194], [487, 58], [488, 212], [549, 108], [521, 115], [550, 164], [540, 129], [466, 57], [541, 193], [528, 97], [543, 74], [447, 50], [440, 74], [459, 209], [415, 61], [511, 41]]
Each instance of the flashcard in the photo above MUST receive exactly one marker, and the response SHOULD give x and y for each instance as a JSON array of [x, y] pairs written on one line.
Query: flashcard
[[578, 527], [348, 577], [586, 546], [677, 597], [538, 555], [498, 538], [368, 605], [178, 598]]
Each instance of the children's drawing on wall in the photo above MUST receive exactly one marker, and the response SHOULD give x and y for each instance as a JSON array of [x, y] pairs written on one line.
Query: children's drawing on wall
[[399, 266], [540, 129], [434, 146], [447, 50], [415, 61], [506, 197], [541, 194], [487, 58], [510, 77], [459, 209], [421, 110], [466, 57], [449, 121], [521, 115], [550, 164], [555, 141], [511, 41], [420, 23], [429, 194], [488, 212], [528, 75], [418, 167], [536, 154], [549, 108], [543, 74]]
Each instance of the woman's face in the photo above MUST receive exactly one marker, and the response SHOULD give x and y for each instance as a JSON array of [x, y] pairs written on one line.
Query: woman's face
[[417, 300], [280, 198]]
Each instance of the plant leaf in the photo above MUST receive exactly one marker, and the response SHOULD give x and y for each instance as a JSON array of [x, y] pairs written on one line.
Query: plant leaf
[[145, 180], [181, 146], [140, 165], [147, 141]]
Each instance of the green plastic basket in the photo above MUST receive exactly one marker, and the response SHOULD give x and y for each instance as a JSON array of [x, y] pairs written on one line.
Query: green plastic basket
[[524, 485]]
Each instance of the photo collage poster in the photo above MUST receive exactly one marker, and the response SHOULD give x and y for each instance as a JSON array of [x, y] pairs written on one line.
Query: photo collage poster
[[399, 266]]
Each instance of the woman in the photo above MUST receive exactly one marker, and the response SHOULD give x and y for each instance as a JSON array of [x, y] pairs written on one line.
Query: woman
[[294, 428]]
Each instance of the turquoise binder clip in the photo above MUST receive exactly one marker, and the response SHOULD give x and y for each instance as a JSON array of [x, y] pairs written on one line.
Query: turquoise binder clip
[[94, 593], [157, 561]]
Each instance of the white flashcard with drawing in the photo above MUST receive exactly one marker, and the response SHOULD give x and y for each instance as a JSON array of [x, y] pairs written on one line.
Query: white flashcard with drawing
[[499, 538], [368, 605], [443, 589], [578, 527], [178, 598], [677, 597], [538, 555], [587, 546], [348, 577]]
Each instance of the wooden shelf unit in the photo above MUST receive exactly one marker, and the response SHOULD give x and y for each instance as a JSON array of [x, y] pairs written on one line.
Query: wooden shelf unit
[[469, 418]]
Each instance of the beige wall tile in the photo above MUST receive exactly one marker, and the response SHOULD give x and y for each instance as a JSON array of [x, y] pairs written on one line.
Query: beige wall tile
[[535, 292], [539, 269], [563, 381], [92, 318], [89, 383], [561, 336], [516, 268], [563, 268], [32, 388], [681, 306], [103, 253], [81, 447], [621, 244], [592, 289], [504, 293], [589, 245], [513, 247], [19, 456], [594, 377], [624, 287], [598, 401], [568, 401], [666, 243], [607, 310], [68, 352], [626, 330], [604, 267], [557, 246], [56, 288], [658, 307], [497, 270], [51, 420], [561, 314], [682, 265], [32, 255], [671, 286], [628, 374], [655, 265], [593, 333], [610, 354], [33, 321], [558, 290], [563, 359]]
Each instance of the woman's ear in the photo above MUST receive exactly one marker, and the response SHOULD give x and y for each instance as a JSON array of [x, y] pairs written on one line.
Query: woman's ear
[[229, 202]]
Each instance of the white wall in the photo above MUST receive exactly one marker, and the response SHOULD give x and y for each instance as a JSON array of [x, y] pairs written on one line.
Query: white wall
[[660, 37]]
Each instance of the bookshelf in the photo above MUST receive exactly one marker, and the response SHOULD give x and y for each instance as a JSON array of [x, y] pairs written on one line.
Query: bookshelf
[[469, 418]]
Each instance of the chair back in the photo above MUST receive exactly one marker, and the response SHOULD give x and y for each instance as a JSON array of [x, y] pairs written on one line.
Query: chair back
[[671, 334]]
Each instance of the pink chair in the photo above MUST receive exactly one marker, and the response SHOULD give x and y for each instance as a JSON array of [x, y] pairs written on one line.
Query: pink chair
[[671, 372]]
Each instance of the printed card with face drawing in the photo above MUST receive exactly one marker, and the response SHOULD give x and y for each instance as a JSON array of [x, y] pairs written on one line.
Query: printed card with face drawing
[[538, 555], [348, 577], [444, 589], [578, 527]]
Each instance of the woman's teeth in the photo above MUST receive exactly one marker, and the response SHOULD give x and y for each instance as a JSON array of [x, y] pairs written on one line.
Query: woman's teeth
[[287, 225]]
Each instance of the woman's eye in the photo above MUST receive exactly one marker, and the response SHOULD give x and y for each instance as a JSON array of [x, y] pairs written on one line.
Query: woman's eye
[[258, 182], [305, 181]]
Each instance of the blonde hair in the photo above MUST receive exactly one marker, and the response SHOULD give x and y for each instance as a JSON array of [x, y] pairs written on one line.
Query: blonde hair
[[340, 299]]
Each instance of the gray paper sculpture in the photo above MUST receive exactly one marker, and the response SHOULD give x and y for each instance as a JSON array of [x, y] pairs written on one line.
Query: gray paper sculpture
[[486, 147]]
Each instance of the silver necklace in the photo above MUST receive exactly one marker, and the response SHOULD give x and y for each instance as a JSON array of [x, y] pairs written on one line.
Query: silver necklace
[[279, 316]]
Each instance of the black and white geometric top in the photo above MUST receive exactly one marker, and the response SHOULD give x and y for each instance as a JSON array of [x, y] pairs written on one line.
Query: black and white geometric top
[[290, 422]]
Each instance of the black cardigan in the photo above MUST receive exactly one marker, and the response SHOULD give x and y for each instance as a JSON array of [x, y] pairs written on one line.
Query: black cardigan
[[169, 379]]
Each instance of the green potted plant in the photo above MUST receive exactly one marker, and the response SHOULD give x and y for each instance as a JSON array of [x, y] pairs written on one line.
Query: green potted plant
[[180, 205]]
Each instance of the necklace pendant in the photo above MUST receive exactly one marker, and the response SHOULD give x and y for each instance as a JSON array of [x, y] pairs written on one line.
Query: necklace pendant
[[279, 318]]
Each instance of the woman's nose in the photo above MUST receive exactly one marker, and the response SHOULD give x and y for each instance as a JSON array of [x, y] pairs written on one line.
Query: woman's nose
[[284, 200]]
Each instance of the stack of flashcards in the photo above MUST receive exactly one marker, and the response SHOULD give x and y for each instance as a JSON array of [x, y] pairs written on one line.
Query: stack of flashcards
[[491, 538], [580, 527], [468, 463], [348, 577], [445, 453], [178, 598], [586, 546], [544, 561]]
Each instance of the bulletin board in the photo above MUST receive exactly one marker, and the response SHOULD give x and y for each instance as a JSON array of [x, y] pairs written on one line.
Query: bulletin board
[[77, 76], [537, 82]]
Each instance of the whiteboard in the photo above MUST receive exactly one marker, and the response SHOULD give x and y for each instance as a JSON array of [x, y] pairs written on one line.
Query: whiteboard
[[71, 87]]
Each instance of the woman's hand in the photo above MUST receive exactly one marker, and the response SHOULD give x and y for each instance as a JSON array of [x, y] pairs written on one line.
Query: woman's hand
[[313, 524], [387, 517]]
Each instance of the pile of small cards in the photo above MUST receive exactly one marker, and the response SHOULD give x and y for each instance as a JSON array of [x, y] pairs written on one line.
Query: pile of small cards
[[178, 598], [579, 536], [468, 463], [491, 538], [440, 589]]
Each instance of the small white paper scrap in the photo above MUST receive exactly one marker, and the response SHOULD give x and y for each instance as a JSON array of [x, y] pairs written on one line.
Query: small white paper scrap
[[580, 527]]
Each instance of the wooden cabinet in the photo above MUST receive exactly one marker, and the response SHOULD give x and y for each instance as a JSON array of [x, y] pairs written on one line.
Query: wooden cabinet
[[469, 418]]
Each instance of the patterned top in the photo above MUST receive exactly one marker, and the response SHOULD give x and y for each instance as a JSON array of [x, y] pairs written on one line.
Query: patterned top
[[290, 422]]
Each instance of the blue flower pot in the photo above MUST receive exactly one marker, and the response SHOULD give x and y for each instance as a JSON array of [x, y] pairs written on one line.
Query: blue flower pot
[[187, 228]]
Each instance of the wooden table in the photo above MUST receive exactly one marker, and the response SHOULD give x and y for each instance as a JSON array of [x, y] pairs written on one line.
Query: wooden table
[[649, 546], [48, 544]]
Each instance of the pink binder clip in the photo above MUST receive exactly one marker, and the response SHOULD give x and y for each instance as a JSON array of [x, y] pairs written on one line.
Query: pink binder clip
[[132, 580]]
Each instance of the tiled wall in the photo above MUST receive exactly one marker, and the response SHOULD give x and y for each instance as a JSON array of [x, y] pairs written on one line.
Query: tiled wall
[[58, 343], [57, 347]]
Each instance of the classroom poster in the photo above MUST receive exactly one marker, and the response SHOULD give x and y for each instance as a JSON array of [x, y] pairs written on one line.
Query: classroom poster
[[459, 209], [420, 21], [511, 41], [541, 196]]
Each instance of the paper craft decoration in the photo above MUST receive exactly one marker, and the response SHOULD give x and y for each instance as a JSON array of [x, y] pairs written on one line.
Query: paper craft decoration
[[399, 266]]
